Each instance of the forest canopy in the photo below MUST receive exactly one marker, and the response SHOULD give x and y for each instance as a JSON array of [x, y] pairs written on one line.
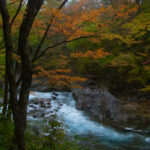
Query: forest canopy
[[67, 43]]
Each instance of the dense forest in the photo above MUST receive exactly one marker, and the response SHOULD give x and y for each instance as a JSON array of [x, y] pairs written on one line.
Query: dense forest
[[74, 75]]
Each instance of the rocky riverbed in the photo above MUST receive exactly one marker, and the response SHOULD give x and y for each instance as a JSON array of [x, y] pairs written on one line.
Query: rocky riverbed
[[105, 107], [45, 106]]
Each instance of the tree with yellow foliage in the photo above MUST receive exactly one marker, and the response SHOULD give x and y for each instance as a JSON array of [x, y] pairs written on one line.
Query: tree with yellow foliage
[[37, 23]]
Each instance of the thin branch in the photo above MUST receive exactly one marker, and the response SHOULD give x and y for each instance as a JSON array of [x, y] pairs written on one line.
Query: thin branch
[[17, 12], [61, 6], [64, 41], [57, 44], [46, 31], [44, 37]]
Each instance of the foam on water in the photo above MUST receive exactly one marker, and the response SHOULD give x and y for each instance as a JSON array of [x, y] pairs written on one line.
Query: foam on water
[[76, 122], [80, 124], [147, 139]]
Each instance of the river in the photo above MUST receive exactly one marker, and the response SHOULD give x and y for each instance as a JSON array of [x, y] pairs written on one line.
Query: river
[[76, 123]]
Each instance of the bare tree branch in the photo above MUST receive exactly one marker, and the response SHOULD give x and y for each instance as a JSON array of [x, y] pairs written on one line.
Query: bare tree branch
[[64, 2], [57, 44], [17, 12], [46, 31]]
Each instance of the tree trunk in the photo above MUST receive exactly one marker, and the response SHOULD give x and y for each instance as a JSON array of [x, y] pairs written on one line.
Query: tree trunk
[[19, 107], [5, 104], [20, 118]]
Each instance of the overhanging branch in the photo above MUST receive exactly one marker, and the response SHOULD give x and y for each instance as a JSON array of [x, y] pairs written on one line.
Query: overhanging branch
[[57, 44], [46, 31], [17, 12]]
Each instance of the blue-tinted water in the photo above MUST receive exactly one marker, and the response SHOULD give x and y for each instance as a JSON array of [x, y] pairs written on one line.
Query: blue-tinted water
[[78, 123]]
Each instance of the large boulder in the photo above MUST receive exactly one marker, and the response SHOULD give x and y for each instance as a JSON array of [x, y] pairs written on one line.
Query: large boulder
[[102, 105]]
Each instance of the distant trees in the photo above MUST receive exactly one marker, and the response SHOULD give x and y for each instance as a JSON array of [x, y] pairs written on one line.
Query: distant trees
[[26, 54], [39, 23], [126, 39]]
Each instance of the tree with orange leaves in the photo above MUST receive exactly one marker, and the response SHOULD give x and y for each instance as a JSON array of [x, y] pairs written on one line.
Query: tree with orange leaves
[[38, 21]]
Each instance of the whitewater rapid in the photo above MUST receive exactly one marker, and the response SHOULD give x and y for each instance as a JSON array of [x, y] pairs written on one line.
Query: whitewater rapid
[[76, 122]]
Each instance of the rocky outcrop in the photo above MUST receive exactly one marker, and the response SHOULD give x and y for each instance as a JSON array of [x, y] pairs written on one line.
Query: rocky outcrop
[[104, 106]]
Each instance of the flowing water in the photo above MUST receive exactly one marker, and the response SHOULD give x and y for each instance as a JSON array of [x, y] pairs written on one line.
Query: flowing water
[[77, 123]]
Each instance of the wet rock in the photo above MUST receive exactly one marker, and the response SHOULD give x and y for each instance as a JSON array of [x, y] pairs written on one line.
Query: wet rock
[[31, 112], [48, 103], [54, 97], [33, 106], [51, 112], [101, 104], [43, 105], [60, 104], [35, 101], [55, 110], [55, 94], [41, 102], [38, 115]]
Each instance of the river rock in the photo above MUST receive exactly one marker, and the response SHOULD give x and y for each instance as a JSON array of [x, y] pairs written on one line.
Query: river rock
[[54, 97], [33, 106], [55, 94], [48, 103], [38, 115], [34, 101], [101, 104]]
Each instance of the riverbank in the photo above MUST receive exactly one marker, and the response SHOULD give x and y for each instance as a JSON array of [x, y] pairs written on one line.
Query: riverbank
[[80, 126], [106, 108], [45, 107]]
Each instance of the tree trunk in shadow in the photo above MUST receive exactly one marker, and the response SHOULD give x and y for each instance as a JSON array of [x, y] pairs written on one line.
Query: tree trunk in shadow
[[19, 106], [5, 104], [20, 117]]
